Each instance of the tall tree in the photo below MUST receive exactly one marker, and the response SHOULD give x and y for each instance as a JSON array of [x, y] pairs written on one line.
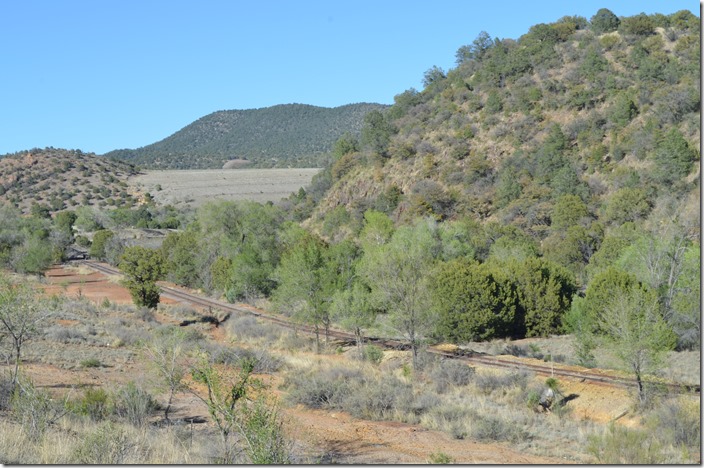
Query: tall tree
[[376, 132], [604, 21], [545, 293], [473, 301], [142, 268], [397, 273], [352, 307], [302, 291], [636, 333]]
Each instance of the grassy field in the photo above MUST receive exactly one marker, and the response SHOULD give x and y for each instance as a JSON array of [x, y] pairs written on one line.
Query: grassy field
[[195, 187]]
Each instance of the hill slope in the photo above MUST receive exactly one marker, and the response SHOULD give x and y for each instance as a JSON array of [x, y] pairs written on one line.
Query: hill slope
[[56, 179], [295, 135], [567, 114]]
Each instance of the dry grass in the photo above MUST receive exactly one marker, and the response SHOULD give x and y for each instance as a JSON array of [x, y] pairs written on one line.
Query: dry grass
[[195, 187], [75, 441]]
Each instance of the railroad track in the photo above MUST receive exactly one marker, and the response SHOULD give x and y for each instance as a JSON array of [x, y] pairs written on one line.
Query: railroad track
[[591, 376]]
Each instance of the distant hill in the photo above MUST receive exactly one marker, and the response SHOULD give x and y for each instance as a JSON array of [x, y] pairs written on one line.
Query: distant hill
[[294, 135], [57, 179]]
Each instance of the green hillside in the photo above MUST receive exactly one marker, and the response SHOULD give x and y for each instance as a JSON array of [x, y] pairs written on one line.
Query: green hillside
[[602, 115], [294, 135]]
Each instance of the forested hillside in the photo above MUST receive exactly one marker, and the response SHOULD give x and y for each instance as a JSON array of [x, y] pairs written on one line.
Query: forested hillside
[[288, 135], [572, 151], [606, 112]]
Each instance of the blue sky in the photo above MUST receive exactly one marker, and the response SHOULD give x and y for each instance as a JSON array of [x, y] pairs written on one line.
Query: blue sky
[[99, 75]]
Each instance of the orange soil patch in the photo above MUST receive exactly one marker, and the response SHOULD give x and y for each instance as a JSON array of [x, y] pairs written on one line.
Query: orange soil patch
[[91, 285]]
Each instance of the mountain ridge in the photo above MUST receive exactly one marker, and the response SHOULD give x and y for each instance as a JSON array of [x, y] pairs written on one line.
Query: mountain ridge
[[283, 135]]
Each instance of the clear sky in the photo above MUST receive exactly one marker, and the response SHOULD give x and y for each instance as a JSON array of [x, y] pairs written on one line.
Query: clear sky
[[99, 75]]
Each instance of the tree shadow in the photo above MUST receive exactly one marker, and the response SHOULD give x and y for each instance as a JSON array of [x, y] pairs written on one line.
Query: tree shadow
[[568, 398]]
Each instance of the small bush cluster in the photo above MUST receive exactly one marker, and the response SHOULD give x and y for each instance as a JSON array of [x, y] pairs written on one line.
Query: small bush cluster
[[246, 327], [129, 403], [489, 383], [450, 373], [264, 362]]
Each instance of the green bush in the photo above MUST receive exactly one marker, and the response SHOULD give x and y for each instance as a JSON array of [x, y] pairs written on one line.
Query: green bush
[[95, 403], [100, 239], [83, 241], [91, 362], [440, 458], [373, 354]]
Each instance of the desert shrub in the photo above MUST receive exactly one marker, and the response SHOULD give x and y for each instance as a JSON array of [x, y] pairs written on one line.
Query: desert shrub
[[488, 428], [247, 327], [122, 330], [449, 418], [621, 445], [91, 362], [489, 383], [263, 361], [677, 422], [451, 372], [440, 458], [6, 388], [133, 404], [515, 350], [181, 311], [34, 409], [108, 445], [65, 334], [375, 399], [95, 404], [146, 315], [321, 388], [413, 406]]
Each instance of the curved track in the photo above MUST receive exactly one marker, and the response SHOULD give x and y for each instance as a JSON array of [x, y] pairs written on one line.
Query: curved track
[[592, 376]]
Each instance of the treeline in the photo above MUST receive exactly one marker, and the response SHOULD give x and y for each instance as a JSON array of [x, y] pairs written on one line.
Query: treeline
[[455, 281], [31, 243], [290, 135]]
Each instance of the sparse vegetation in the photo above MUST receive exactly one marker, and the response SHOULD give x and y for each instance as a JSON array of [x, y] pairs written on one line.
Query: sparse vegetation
[[507, 200]]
